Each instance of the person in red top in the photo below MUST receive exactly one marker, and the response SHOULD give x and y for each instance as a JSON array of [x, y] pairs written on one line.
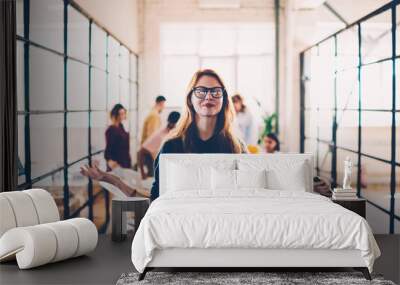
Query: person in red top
[[117, 140]]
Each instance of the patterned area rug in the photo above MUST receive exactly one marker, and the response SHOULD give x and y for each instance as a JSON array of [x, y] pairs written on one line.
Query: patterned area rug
[[225, 278]]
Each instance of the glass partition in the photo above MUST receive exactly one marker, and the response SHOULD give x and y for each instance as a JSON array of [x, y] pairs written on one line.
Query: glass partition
[[349, 82], [75, 72]]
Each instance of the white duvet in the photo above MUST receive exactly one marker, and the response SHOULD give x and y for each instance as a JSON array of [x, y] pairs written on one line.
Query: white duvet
[[252, 218]]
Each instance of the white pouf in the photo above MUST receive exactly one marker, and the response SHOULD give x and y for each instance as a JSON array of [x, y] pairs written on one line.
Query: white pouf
[[87, 235], [7, 218], [31, 233], [41, 244], [67, 237], [23, 209], [46, 208]]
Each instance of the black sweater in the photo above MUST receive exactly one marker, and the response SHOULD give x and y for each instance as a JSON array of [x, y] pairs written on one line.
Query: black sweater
[[212, 145]]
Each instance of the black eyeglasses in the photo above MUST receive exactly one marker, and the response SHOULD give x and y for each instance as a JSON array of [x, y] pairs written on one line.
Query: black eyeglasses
[[201, 92]]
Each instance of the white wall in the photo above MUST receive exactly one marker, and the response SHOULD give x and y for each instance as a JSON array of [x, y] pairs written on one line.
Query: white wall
[[120, 17], [156, 12]]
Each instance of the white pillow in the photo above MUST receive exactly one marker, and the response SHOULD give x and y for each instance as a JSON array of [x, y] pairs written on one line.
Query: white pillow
[[223, 179], [193, 174], [294, 179], [251, 178], [182, 177], [235, 179]]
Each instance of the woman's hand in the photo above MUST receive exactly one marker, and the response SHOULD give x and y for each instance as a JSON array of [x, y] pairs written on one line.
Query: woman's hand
[[93, 172]]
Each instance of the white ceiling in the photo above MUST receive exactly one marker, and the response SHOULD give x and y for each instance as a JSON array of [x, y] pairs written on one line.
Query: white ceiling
[[352, 10], [312, 25]]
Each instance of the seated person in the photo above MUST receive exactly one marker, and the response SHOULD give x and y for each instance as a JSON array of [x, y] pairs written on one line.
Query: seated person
[[271, 143], [148, 152]]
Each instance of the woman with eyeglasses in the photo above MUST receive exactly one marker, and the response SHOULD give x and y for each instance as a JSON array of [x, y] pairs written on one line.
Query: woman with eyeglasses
[[205, 127]]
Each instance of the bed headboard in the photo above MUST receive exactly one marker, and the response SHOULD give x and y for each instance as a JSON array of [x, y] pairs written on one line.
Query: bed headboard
[[189, 159]]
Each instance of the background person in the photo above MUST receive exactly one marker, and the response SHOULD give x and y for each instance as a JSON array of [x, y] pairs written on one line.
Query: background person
[[271, 143], [117, 153], [244, 120], [151, 146], [153, 121]]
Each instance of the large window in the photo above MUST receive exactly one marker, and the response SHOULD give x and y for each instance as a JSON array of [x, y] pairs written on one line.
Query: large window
[[242, 53], [349, 109], [70, 72]]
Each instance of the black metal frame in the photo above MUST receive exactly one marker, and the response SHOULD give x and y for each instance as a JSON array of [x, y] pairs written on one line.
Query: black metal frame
[[277, 62], [391, 6], [25, 39], [211, 90]]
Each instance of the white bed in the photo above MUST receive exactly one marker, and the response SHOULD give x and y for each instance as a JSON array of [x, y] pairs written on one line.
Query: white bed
[[230, 226]]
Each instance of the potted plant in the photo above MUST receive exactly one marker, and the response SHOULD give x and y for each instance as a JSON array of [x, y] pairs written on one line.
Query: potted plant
[[269, 125]]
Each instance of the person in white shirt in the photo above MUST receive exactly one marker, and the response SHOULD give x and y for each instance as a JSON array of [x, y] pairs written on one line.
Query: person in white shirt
[[244, 120]]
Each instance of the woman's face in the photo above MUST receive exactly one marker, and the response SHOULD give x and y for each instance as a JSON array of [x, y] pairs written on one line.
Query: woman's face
[[122, 115], [209, 106], [238, 105], [270, 145]]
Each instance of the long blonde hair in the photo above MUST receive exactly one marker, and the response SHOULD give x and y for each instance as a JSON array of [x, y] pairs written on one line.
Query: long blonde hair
[[186, 128]]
